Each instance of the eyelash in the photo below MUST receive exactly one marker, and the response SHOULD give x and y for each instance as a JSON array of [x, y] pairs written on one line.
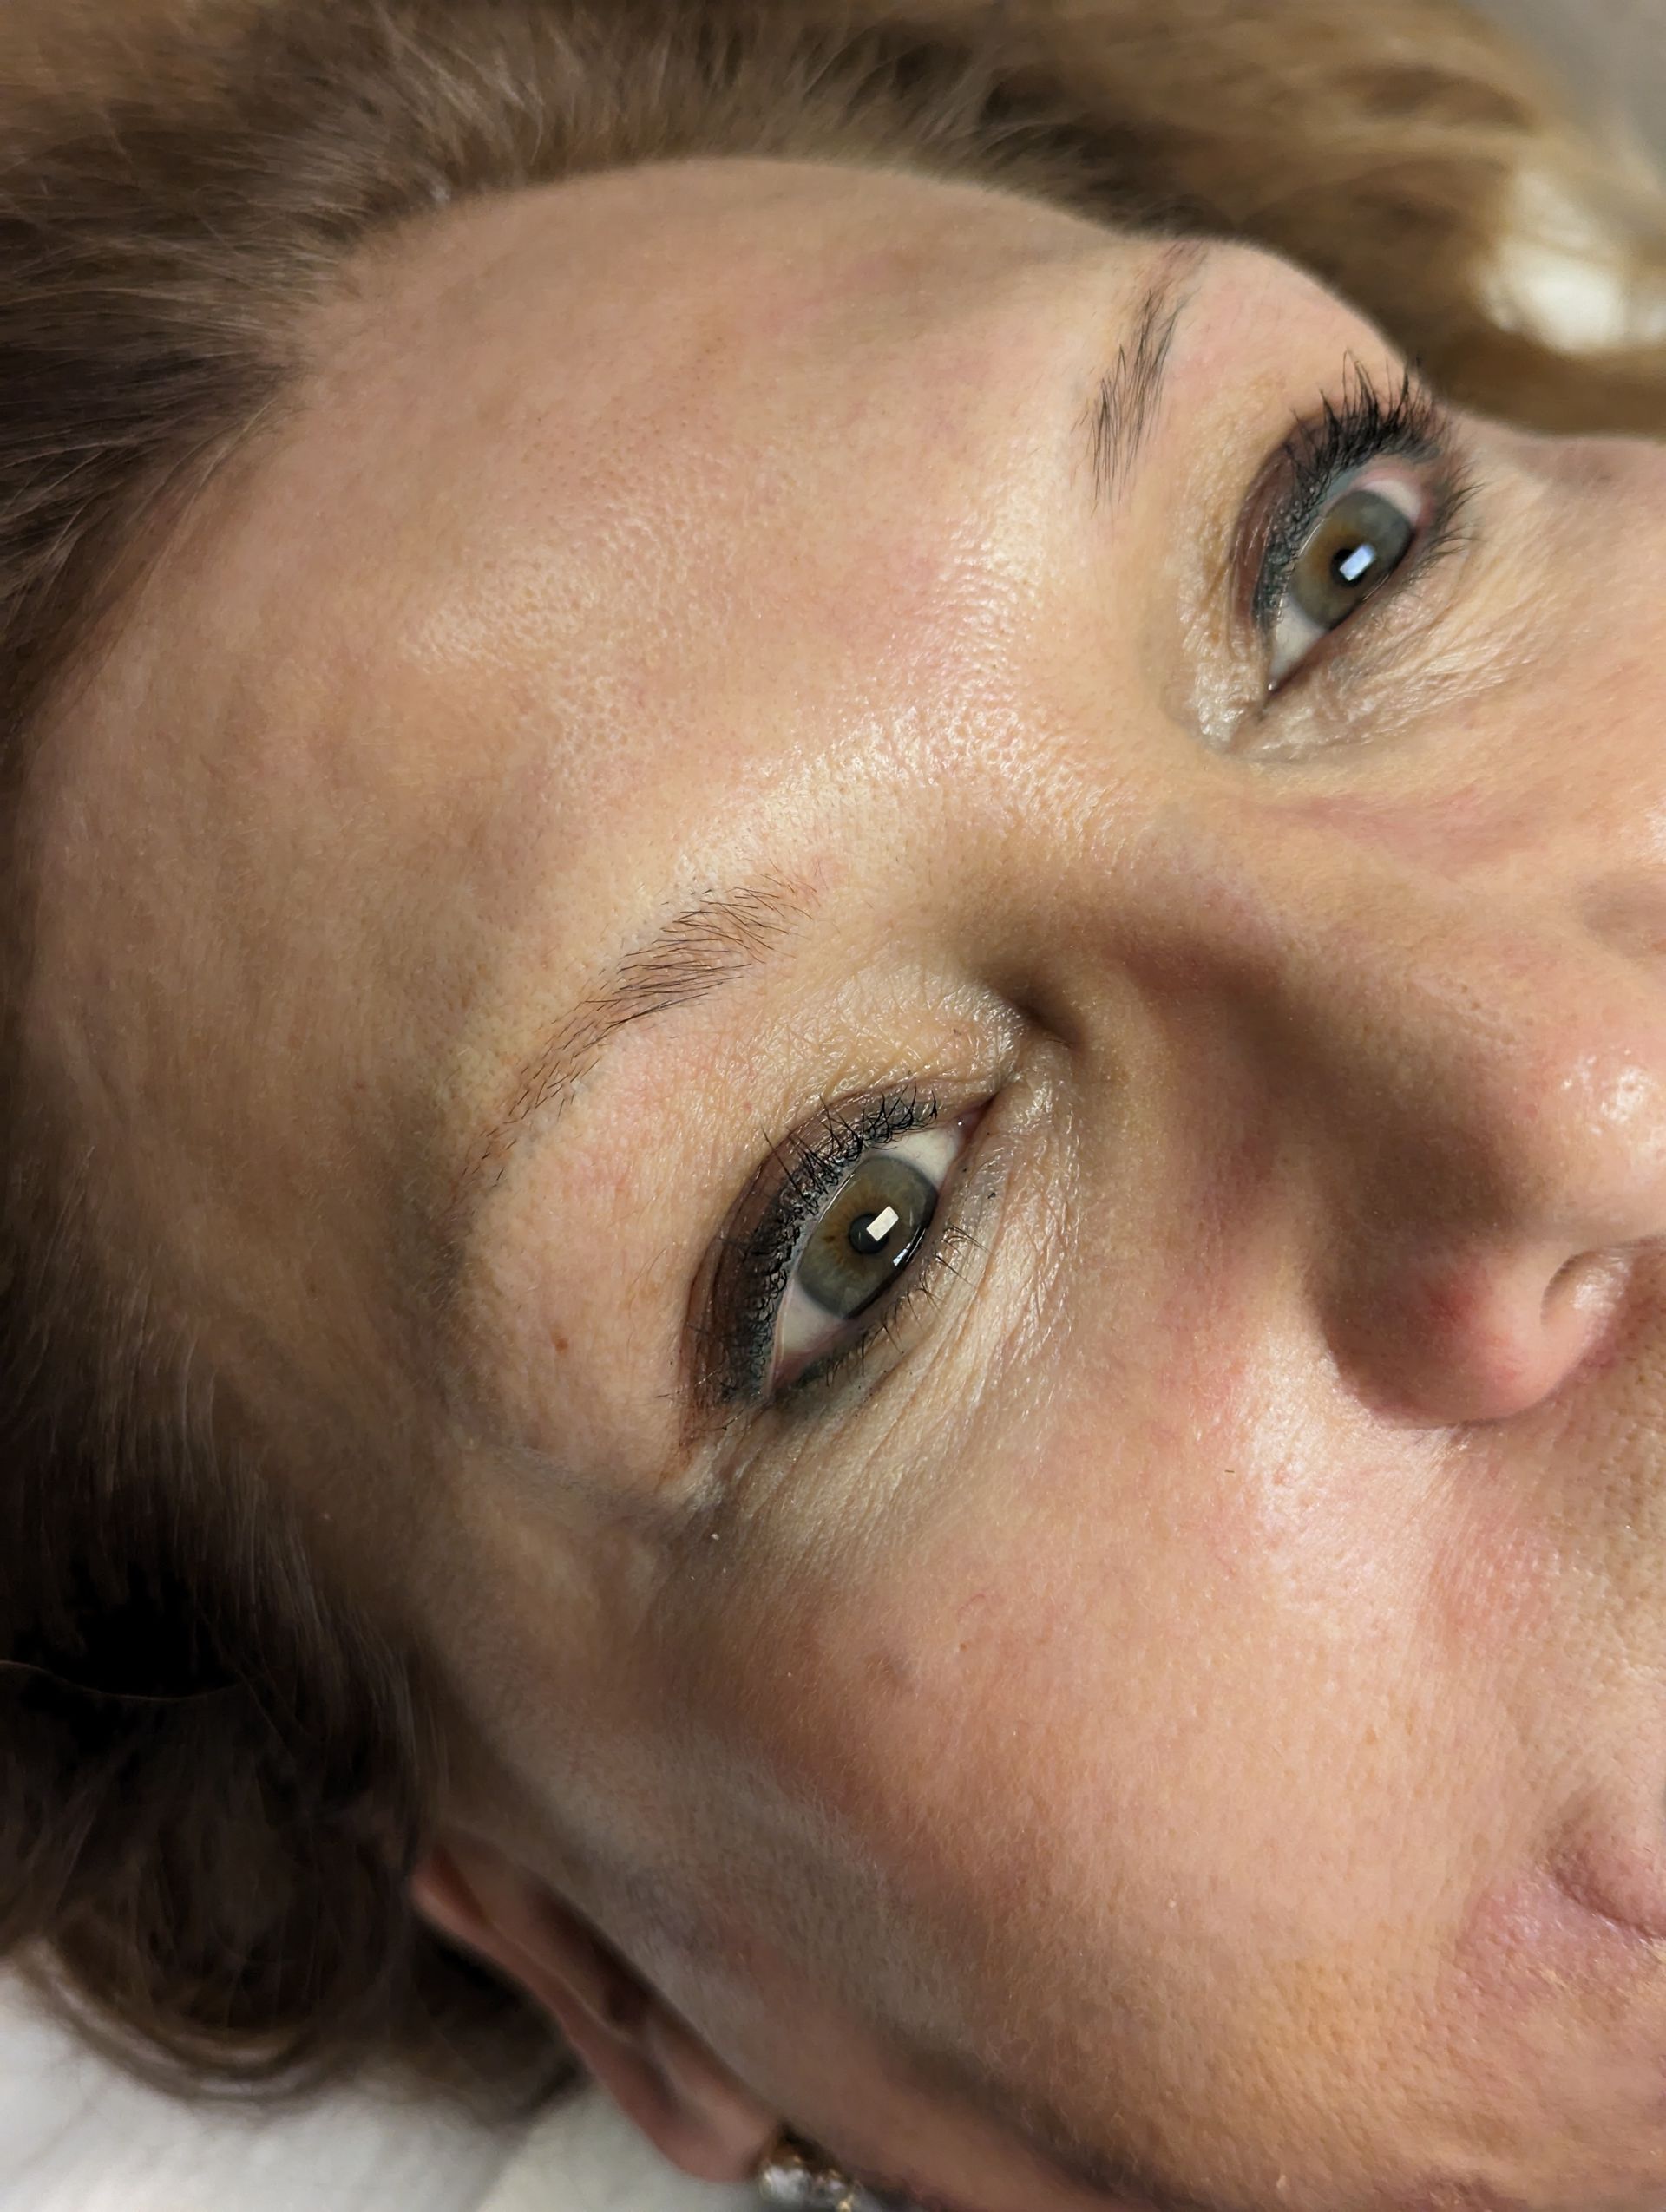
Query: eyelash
[[755, 1259], [757, 1255], [1317, 462]]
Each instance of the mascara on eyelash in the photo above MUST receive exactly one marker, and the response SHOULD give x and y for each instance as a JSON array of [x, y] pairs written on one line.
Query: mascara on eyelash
[[757, 1260], [1320, 456]]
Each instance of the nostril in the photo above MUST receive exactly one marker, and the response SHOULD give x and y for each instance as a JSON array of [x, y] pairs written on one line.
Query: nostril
[[1480, 1337], [1567, 1284], [1583, 1296]]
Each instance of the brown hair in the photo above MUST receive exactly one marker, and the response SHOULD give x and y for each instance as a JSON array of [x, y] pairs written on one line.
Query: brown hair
[[216, 1772]]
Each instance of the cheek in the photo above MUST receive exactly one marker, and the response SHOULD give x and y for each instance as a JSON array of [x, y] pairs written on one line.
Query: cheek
[[1553, 2023], [1173, 1668], [1494, 1598], [1139, 1748]]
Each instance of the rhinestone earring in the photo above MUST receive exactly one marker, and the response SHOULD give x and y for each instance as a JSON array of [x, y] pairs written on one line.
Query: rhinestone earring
[[793, 2177]]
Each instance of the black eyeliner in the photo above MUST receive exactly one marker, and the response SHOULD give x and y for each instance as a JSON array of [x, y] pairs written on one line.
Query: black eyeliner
[[1316, 462], [759, 1248]]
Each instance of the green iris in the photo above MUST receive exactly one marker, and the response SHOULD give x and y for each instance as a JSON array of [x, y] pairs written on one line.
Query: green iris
[[871, 1230], [1361, 541]]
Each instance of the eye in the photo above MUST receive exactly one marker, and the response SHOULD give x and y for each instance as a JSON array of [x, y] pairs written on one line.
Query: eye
[[850, 1221], [861, 1246], [1368, 493], [1365, 535]]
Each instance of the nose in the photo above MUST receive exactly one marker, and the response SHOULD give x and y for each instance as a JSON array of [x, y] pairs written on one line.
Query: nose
[[1468, 1082], [1486, 1126], [1442, 1320]]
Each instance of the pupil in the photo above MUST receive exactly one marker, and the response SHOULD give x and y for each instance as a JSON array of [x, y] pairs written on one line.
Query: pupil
[[1354, 568], [868, 1236], [871, 1233]]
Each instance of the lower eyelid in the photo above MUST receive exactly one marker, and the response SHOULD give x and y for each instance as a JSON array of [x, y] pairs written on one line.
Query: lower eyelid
[[964, 1203], [1373, 678], [1381, 640]]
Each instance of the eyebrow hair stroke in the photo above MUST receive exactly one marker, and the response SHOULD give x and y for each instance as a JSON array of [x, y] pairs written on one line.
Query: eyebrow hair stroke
[[1122, 412], [724, 936]]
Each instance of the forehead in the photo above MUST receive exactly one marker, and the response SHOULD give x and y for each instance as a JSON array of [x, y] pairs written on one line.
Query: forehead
[[729, 324], [584, 486], [725, 264], [605, 420], [587, 468]]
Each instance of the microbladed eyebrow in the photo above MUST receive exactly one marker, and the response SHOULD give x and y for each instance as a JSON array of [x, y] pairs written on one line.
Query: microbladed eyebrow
[[700, 950], [1125, 405]]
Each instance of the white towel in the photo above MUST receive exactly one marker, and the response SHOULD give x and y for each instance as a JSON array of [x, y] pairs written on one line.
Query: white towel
[[586, 2157], [76, 2136]]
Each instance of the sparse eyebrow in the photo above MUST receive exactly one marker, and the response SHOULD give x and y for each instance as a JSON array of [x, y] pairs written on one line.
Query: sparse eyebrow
[[1125, 405], [725, 935]]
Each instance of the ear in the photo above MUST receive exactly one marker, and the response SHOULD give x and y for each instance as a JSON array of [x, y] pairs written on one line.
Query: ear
[[650, 2062]]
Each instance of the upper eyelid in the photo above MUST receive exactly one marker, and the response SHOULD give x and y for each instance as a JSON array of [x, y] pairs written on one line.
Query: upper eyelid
[[1291, 475], [1378, 641]]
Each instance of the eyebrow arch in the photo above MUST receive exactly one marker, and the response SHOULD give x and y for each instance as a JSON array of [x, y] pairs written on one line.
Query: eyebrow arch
[[1123, 409], [724, 935]]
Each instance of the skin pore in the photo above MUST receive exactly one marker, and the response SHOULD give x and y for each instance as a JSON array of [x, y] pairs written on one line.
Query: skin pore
[[1185, 1721]]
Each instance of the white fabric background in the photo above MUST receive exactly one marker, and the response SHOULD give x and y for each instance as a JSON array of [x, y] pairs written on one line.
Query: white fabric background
[[77, 2137], [74, 2136]]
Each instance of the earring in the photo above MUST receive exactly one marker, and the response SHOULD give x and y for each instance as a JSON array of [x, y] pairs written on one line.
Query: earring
[[794, 2178]]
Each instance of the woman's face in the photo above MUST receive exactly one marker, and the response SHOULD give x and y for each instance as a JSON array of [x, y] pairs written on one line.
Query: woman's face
[[947, 1086]]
